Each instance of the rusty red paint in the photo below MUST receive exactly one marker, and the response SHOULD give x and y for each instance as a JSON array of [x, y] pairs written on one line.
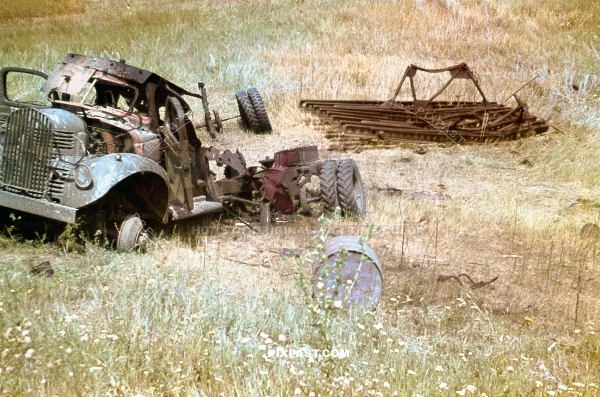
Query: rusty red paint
[[273, 181]]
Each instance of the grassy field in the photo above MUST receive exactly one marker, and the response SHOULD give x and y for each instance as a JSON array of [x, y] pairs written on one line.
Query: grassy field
[[205, 309]]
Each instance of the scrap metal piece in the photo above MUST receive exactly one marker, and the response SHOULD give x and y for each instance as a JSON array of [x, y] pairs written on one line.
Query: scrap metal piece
[[474, 284], [304, 202], [265, 217], [235, 164], [287, 176], [425, 120], [44, 269], [210, 125]]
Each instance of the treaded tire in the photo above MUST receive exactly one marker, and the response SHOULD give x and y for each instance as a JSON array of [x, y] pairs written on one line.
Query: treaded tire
[[259, 109], [350, 188], [249, 119], [328, 183]]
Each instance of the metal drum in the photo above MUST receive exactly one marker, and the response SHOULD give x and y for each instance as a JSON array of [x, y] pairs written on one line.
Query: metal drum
[[351, 276]]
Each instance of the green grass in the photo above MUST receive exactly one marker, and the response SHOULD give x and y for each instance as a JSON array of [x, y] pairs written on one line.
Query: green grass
[[196, 314], [133, 323]]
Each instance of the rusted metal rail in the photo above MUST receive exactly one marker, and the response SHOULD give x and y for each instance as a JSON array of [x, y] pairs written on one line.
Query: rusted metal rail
[[426, 120]]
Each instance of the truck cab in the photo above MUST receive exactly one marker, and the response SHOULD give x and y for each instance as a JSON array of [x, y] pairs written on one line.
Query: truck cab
[[103, 138]]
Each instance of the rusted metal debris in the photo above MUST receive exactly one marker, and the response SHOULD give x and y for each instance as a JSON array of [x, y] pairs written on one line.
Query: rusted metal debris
[[474, 284], [44, 268], [283, 180], [426, 120]]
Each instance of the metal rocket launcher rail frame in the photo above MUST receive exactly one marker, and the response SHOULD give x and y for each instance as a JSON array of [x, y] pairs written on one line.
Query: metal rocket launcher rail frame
[[427, 120]]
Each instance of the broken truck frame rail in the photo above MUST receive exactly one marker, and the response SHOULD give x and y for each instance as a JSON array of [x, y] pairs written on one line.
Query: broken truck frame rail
[[426, 120]]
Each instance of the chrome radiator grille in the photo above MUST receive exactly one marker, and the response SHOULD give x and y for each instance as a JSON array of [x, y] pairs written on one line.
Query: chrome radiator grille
[[27, 154]]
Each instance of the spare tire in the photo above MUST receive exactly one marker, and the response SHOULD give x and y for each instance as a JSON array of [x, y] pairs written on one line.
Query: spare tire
[[247, 113], [350, 188], [259, 110]]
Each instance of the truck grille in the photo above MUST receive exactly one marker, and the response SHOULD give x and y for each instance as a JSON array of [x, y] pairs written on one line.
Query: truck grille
[[63, 140], [27, 154]]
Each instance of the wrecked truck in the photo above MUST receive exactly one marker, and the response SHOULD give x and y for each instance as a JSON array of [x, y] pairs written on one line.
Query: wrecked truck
[[116, 145]]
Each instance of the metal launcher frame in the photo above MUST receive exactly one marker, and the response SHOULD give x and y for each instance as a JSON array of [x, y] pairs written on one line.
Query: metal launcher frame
[[426, 120]]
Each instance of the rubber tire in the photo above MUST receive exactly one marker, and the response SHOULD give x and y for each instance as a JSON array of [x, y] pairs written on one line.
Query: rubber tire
[[249, 119], [350, 188], [328, 182], [259, 110], [130, 235]]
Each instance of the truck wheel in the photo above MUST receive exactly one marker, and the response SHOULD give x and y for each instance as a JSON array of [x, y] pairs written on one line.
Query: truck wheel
[[259, 109], [350, 188], [174, 123], [4, 218], [131, 235], [328, 184], [249, 119]]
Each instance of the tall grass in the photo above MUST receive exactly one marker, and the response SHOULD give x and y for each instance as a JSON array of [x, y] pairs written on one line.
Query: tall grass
[[198, 314], [12, 11], [178, 322]]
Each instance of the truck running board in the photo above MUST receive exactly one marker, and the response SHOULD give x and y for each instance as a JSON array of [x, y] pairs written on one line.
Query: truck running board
[[201, 206]]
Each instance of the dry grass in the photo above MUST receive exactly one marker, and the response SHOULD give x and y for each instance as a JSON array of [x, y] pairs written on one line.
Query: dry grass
[[24, 11], [188, 316]]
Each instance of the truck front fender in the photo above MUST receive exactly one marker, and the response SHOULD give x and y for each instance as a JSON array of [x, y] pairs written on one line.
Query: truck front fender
[[95, 177]]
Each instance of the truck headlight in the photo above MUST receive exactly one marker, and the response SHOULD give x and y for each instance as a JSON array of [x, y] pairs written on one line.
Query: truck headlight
[[83, 176]]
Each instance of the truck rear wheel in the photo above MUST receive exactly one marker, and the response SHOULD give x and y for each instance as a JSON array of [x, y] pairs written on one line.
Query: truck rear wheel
[[328, 183], [260, 111], [350, 188]]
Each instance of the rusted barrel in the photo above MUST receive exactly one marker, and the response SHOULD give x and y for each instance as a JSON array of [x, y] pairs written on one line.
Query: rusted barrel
[[352, 274]]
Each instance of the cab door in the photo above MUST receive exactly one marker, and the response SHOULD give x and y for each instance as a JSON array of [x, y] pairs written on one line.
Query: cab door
[[179, 153]]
